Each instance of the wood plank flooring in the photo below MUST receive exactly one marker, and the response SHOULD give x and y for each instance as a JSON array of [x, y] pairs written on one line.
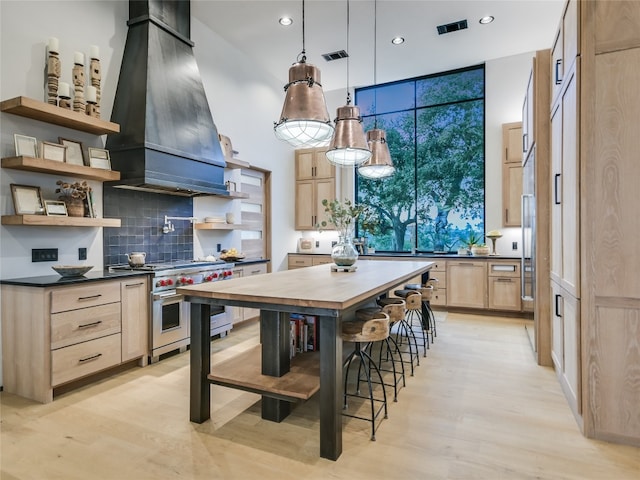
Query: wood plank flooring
[[478, 407]]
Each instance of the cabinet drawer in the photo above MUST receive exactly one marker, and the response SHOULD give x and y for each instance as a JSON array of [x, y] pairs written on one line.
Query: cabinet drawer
[[257, 269], [85, 296], [439, 266], [504, 269], [439, 298], [76, 326], [84, 359], [441, 284], [321, 260], [297, 262]]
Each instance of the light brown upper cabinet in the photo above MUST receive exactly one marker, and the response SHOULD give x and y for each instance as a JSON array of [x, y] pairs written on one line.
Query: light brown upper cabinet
[[511, 173], [315, 181]]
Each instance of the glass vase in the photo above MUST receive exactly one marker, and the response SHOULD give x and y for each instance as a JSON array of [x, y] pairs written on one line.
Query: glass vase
[[344, 254]]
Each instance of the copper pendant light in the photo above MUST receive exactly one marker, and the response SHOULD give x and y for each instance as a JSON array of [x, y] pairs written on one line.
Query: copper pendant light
[[380, 164], [304, 121], [348, 146]]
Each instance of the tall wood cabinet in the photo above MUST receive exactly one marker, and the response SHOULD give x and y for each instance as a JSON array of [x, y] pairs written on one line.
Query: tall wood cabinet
[[315, 181], [511, 173], [595, 120]]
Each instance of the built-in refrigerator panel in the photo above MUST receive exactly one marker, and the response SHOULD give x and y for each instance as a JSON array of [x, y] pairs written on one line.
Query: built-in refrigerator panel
[[528, 252]]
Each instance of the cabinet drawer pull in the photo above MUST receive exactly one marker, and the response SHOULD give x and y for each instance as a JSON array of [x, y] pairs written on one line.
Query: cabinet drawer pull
[[134, 284], [253, 272], [91, 297], [88, 359], [556, 192], [88, 325], [505, 279], [557, 72], [465, 264], [525, 142], [557, 305]]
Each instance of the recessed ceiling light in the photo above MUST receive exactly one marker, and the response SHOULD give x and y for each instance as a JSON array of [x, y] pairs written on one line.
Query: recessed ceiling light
[[285, 21], [487, 19], [397, 40]]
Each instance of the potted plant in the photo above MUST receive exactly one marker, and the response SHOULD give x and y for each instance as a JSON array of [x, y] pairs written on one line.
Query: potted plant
[[469, 242], [75, 196], [344, 216]]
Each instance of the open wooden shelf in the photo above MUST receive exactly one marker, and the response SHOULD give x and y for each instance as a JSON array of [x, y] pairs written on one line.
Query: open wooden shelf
[[238, 195], [236, 163], [59, 221], [42, 165], [244, 372], [217, 226], [27, 107]]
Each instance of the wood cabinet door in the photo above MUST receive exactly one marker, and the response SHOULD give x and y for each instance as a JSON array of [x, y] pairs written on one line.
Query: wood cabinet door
[[557, 329], [556, 193], [467, 284], [323, 169], [305, 161], [305, 205], [504, 293], [570, 181], [512, 141], [324, 189], [512, 194], [135, 295]]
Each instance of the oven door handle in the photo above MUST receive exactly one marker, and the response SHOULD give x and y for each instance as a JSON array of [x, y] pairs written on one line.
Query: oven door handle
[[166, 296]]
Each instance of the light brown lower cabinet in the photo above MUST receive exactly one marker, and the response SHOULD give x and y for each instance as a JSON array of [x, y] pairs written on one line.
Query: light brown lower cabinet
[[467, 284], [504, 286], [55, 335]]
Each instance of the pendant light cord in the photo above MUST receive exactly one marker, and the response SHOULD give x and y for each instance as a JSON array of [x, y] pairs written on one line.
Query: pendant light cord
[[302, 58], [375, 64], [348, 92]]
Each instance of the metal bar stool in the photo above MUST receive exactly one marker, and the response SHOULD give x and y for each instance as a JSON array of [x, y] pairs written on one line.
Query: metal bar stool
[[393, 356], [404, 330], [427, 312], [369, 326], [414, 317]]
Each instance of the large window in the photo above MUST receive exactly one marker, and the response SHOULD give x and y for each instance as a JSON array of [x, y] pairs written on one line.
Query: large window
[[435, 132]]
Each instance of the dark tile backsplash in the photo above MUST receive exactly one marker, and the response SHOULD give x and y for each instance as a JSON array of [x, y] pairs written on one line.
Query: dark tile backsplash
[[142, 215]]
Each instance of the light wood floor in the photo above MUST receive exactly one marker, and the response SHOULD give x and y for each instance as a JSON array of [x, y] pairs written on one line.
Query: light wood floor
[[477, 408]]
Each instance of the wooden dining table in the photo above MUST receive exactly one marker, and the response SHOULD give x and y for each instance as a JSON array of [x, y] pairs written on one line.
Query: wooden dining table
[[330, 296]]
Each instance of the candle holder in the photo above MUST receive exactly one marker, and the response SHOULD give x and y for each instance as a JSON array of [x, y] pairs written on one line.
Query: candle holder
[[95, 75], [78, 83], [53, 73]]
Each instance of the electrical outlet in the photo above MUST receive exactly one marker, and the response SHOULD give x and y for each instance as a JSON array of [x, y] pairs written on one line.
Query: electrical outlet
[[44, 254], [514, 245], [317, 243], [82, 254], [218, 247]]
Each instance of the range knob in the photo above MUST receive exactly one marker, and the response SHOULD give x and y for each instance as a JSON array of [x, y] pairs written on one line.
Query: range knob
[[161, 283], [214, 275], [190, 281], [169, 281], [208, 278]]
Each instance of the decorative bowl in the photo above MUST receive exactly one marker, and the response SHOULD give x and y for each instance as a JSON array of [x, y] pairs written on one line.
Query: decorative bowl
[[72, 270], [232, 258]]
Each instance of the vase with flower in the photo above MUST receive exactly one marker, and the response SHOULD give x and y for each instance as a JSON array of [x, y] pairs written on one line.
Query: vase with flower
[[75, 196], [344, 216]]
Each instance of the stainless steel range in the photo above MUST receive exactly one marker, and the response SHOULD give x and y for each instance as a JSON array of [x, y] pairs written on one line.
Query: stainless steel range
[[170, 313]]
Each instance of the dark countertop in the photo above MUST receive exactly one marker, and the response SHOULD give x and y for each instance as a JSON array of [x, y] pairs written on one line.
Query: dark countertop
[[425, 255], [56, 280], [251, 261]]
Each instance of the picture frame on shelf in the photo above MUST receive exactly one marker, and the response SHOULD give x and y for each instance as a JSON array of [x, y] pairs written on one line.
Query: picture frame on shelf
[[55, 208], [27, 199], [99, 158], [231, 186], [54, 151], [75, 152], [26, 146]]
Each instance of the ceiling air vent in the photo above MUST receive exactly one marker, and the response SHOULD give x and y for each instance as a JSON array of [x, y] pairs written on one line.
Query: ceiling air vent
[[329, 57], [452, 27]]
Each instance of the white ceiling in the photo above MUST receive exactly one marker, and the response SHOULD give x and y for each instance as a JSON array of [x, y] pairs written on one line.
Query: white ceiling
[[252, 27]]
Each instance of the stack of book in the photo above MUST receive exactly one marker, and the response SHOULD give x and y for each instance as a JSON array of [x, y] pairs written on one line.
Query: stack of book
[[304, 333]]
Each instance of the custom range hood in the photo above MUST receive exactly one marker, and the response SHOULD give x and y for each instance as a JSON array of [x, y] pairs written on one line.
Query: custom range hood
[[168, 142]]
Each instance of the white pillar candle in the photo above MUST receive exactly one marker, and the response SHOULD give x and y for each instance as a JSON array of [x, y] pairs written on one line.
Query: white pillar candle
[[63, 90], [78, 58], [91, 94], [94, 52], [54, 45]]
